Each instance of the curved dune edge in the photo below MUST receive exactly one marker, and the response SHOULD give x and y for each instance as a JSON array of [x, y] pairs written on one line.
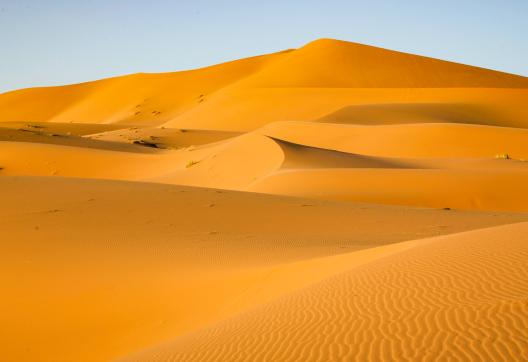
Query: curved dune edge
[[427, 140], [429, 302]]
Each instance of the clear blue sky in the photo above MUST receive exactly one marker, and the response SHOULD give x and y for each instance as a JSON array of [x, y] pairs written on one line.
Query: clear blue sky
[[51, 42]]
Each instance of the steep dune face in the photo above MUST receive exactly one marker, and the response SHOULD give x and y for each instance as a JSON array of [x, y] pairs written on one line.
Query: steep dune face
[[427, 303]]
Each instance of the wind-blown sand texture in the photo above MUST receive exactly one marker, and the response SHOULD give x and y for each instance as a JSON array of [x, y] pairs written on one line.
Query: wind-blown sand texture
[[328, 203]]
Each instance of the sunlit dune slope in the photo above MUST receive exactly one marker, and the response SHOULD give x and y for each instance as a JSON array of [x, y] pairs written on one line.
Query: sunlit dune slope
[[339, 64], [94, 269], [135, 99], [459, 297]]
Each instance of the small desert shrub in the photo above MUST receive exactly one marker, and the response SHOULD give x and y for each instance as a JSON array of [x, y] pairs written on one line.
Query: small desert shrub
[[191, 163], [146, 143]]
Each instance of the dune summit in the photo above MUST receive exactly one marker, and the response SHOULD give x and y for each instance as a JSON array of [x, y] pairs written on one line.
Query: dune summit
[[333, 202]]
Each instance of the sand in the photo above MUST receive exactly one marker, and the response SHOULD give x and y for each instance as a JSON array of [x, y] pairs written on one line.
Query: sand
[[431, 302], [332, 202]]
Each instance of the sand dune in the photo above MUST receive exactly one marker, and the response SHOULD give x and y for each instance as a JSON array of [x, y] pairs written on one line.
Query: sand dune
[[303, 85], [333, 202], [143, 98], [326, 161], [362, 66], [430, 302], [127, 265]]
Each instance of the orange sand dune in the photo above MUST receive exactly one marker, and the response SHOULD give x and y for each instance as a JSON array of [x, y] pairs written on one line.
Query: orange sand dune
[[304, 84], [361, 66], [438, 172], [133, 99], [247, 108], [459, 297], [333, 202], [326, 76], [129, 265]]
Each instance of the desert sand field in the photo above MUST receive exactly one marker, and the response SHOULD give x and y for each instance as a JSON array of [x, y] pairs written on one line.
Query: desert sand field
[[336, 202]]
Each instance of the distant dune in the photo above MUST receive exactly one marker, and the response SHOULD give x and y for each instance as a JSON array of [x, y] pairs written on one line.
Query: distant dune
[[333, 202]]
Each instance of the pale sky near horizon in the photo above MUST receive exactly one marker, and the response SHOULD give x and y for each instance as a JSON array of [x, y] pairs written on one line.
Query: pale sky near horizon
[[53, 42]]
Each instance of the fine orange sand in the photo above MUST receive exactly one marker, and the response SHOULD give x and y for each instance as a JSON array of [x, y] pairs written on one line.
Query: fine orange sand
[[327, 203]]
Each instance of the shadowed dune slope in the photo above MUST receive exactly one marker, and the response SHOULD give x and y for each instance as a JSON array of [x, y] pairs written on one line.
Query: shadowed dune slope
[[459, 297], [401, 113]]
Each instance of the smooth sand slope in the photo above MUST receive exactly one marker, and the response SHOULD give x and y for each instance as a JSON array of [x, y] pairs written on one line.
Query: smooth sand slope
[[332, 202], [93, 270]]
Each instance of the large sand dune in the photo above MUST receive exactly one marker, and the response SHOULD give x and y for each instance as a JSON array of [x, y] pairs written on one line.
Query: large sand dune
[[332, 202]]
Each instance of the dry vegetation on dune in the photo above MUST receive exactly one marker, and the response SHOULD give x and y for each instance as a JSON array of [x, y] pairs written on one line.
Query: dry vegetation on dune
[[333, 202]]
